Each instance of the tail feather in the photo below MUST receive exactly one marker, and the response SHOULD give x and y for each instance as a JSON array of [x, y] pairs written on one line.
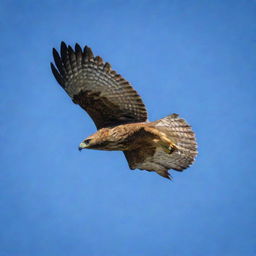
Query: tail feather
[[183, 137], [160, 156]]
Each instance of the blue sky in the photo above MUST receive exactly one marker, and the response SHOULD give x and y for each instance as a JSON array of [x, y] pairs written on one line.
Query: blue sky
[[195, 58]]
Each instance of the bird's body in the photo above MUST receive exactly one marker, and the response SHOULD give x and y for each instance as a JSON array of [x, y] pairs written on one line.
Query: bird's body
[[120, 115], [118, 138], [126, 137]]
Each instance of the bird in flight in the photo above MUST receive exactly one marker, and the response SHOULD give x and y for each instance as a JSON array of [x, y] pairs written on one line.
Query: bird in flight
[[120, 115]]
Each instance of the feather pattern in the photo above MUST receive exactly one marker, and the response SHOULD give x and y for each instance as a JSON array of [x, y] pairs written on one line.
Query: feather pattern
[[108, 98], [154, 157]]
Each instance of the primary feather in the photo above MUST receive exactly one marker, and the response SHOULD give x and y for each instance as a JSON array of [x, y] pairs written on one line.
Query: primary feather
[[107, 97]]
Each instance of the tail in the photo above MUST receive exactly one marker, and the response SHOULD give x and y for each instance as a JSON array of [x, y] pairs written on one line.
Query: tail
[[175, 147], [181, 134]]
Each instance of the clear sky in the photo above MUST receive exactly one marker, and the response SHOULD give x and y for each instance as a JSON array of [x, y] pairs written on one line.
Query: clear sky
[[195, 58]]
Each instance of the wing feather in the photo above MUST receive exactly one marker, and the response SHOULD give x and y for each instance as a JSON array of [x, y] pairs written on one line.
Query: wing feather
[[107, 97]]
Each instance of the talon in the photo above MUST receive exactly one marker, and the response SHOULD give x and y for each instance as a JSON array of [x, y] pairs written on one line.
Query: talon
[[168, 147], [172, 148]]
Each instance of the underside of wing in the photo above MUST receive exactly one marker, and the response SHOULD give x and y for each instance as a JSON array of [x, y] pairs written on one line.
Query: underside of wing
[[107, 97], [155, 159]]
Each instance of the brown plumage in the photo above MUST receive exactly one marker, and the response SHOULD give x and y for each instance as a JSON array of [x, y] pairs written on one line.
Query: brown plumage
[[120, 115]]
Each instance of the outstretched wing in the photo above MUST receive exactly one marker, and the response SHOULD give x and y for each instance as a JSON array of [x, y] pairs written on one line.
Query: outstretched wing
[[107, 97], [152, 156]]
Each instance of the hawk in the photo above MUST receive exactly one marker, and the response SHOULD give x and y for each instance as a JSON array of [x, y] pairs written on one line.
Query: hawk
[[120, 115]]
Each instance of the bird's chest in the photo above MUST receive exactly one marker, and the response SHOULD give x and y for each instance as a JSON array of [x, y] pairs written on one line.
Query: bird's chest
[[124, 137]]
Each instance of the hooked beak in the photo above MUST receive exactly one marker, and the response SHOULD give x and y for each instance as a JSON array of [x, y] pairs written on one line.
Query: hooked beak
[[82, 146]]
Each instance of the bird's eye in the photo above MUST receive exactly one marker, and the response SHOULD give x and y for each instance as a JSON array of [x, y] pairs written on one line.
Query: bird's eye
[[87, 141]]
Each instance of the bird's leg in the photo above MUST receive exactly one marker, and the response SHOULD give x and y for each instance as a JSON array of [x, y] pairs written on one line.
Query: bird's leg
[[160, 138], [168, 145]]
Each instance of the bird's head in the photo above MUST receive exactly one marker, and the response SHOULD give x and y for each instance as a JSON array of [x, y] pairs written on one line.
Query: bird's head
[[98, 140], [85, 144]]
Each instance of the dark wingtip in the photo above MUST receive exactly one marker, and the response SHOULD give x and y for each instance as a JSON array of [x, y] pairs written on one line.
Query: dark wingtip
[[58, 62], [63, 44], [63, 50], [55, 54], [70, 49], [78, 48], [52, 66], [57, 75], [88, 52]]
